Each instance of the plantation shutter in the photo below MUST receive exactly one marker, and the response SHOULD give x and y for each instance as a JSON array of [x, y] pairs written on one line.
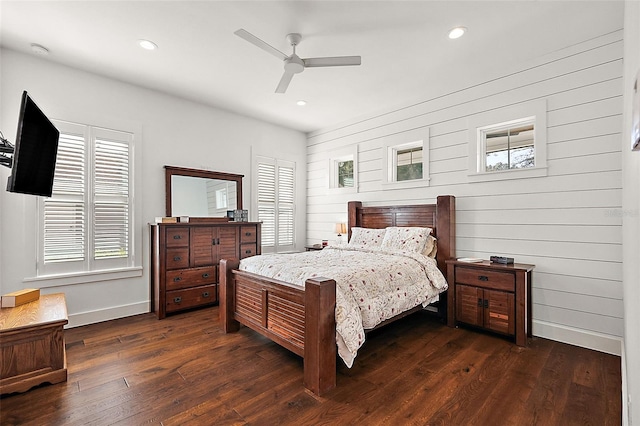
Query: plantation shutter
[[111, 189], [276, 203], [286, 198], [267, 203], [65, 211]]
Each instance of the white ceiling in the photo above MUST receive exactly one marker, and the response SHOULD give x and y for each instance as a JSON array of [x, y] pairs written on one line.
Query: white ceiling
[[406, 54]]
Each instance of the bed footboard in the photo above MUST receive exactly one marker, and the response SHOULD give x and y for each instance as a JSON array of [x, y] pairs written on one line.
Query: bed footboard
[[302, 321]]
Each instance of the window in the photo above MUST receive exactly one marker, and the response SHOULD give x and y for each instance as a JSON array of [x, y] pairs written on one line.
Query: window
[[86, 225], [275, 193], [513, 146], [343, 170], [221, 198], [509, 148], [406, 156]]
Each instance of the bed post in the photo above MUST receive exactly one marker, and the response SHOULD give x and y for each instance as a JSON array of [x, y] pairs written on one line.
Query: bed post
[[320, 335], [352, 218], [227, 293], [446, 229]]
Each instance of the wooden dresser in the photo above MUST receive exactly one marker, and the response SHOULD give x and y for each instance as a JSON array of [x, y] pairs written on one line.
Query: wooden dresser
[[185, 258], [491, 296], [32, 344]]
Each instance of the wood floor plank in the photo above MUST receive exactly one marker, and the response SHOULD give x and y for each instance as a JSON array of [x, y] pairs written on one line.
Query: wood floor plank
[[183, 370]]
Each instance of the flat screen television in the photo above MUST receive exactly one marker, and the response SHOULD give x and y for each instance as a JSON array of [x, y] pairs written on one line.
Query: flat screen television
[[36, 148]]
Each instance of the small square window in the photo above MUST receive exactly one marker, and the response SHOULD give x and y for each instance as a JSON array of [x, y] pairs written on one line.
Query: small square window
[[221, 198], [510, 148], [406, 159], [343, 170], [508, 143]]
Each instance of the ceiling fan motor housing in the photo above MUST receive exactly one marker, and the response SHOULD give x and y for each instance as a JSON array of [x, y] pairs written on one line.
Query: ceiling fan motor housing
[[294, 64]]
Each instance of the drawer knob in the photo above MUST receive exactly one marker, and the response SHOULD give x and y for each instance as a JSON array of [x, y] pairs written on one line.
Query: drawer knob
[[483, 278], [205, 294], [247, 234], [177, 299], [205, 275], [177, 237], [480, 302], [177, 279], [177, 258], [247, 251]]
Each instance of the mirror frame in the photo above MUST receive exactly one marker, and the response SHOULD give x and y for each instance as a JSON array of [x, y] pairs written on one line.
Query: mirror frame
[[207, 174]]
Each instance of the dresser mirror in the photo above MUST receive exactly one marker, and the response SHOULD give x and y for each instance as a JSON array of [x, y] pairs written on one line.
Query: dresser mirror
[[201, 194]]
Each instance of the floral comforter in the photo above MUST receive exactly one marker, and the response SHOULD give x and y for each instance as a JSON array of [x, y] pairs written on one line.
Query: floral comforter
[[372, 285]]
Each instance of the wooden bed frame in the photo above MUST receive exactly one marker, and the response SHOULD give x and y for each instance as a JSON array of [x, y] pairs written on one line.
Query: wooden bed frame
[[303, 320]]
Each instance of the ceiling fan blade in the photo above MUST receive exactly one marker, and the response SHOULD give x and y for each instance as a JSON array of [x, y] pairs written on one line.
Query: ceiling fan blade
[[284, 82], [336, 61], [261, 44]]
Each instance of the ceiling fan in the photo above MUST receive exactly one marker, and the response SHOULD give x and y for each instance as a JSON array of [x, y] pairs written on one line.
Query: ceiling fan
[[293, 64]]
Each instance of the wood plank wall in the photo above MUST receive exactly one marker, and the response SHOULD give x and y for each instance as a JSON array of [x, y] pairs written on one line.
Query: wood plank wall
[[568, 223]]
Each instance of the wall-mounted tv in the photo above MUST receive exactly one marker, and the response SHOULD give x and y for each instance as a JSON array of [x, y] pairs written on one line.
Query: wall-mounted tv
[[34, 156]]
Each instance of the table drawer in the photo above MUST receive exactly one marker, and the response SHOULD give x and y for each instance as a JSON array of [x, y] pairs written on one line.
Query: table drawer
[[184, 278], [505, 281], [177, 237], [248, 234], [191, 297], [177, 258]]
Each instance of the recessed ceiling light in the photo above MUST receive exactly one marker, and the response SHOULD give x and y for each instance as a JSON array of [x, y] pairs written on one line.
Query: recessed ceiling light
[[301, 103], [457, 32], [39, 49], [148, 45]]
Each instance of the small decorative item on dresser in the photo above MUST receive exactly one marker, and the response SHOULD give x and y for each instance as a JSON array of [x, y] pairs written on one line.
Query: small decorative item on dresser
[[20, 297], [240, 215]]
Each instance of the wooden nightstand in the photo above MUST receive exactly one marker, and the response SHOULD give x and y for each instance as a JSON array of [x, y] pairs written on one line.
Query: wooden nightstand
[[491, 296]]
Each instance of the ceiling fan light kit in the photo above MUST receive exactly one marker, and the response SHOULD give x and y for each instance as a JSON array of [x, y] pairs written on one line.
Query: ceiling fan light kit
[[293, 64]]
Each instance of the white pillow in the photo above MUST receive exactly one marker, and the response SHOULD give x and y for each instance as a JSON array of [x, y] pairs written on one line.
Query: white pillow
[[409, 238], [368, 237]]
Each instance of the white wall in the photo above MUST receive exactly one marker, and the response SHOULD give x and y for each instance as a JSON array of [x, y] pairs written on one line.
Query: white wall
[[174, 132], [631, 225], [568, 223]]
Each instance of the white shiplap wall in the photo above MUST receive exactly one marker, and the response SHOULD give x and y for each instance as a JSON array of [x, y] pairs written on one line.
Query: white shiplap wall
[[568, 223]]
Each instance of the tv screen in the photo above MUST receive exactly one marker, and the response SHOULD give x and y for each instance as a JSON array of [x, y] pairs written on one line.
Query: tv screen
[[34, 156]]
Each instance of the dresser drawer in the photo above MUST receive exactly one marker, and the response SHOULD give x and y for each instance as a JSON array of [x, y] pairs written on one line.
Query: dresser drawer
[[177, 258], [192, 297], [184, 278], [247, 250], [505, 281], [248, 234], [177, 237]]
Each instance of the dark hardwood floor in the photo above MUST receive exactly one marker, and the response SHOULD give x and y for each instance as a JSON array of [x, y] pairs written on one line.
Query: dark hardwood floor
[[184, 371]]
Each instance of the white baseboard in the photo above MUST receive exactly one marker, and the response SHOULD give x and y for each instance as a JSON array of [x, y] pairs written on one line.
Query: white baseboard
[[92, 317], [574, 336]]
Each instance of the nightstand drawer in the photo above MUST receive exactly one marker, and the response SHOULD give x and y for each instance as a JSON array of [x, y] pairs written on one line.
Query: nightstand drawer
[[484, 278]]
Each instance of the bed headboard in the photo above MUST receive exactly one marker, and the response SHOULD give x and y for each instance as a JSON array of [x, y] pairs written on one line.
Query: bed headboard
[[441, 217]]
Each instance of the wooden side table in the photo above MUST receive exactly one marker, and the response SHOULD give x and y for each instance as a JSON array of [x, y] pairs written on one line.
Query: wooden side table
[[491, 296], [32, 344]]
